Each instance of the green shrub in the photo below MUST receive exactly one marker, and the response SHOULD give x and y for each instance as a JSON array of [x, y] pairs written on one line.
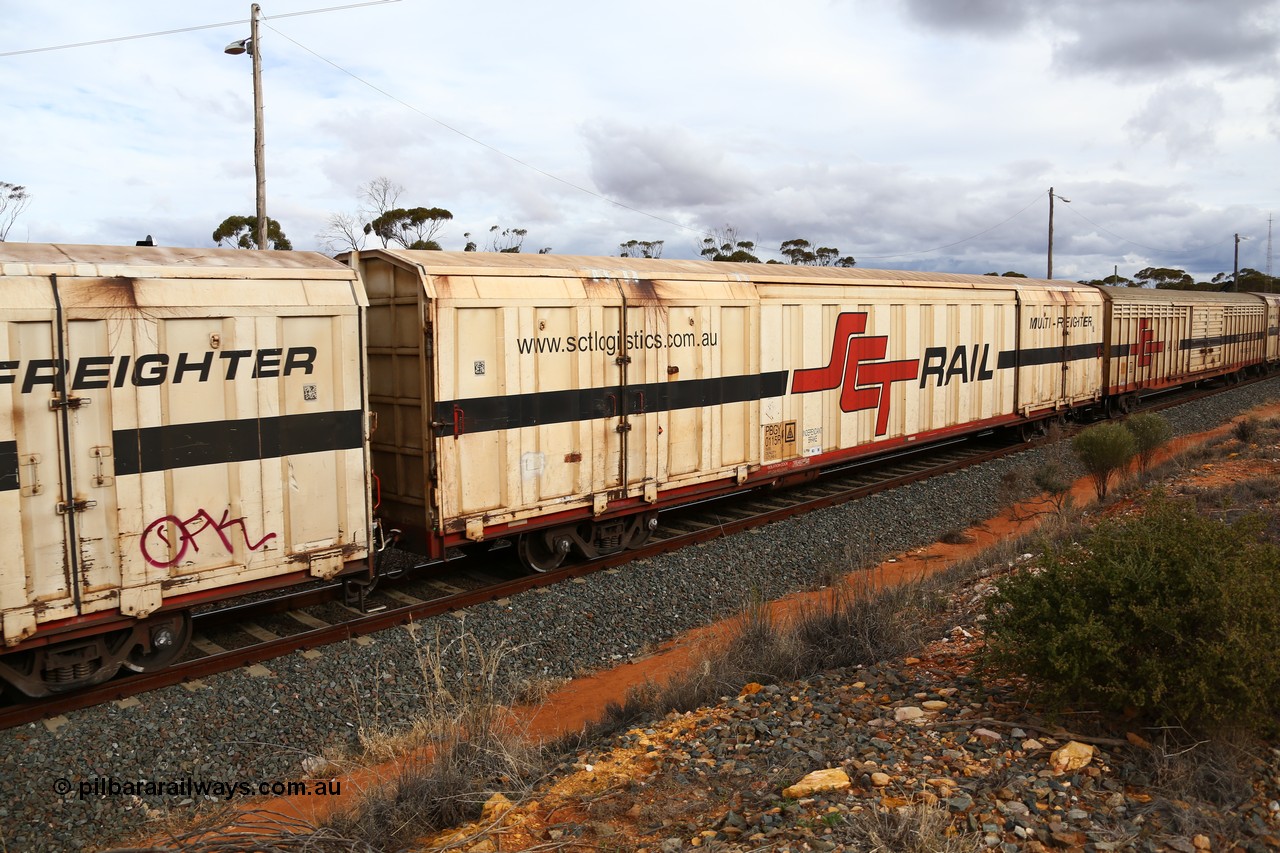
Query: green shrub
[[1151, 432], [1103, 450], [1054, 479], [1171, 614]]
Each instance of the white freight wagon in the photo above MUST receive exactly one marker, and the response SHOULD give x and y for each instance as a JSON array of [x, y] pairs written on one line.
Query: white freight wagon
[[561, 401], [176, 426], [1165, 338]]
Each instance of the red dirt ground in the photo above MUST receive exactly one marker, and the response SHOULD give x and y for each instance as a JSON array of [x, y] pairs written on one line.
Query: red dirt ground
[[583, 700]]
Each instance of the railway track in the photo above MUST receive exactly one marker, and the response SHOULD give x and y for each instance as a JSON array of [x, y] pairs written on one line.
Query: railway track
[[254, 632]]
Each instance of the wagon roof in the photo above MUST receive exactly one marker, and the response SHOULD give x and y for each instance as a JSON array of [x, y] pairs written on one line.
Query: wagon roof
[[1166, 296], [585, 266], [163, 262]]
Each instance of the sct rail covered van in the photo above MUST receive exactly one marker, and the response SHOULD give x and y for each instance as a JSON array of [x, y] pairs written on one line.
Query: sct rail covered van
[[177, 426], [561, 401]]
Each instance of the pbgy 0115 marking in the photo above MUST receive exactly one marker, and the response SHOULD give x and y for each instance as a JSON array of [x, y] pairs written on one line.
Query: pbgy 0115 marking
[[103, 371]]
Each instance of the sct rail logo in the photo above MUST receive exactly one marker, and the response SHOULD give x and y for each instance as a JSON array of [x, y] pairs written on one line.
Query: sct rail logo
[[856, 368], [1147, 345]]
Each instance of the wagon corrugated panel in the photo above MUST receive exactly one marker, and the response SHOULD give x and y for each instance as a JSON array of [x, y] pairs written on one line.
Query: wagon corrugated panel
[[509, 389], [1272, 302], [518, 390], [1059, 358], [882, 362], [176, 423], [1160, 338]]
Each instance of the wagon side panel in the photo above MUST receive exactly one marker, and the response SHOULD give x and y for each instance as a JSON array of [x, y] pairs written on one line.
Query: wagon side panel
[[35, 575]]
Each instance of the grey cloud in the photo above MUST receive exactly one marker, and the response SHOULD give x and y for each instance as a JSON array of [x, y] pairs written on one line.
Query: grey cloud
[[1144, 37], [1154, 36], [1183, 117], [974, 16], [663, 166]]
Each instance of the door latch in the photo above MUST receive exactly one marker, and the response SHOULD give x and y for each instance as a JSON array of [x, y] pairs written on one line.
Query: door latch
[[68, 402]]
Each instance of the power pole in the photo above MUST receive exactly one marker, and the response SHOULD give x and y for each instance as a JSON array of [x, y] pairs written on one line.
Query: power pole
[[1268, 246], [1051, 198], [1235, 269], [251, 46], [259, 142]]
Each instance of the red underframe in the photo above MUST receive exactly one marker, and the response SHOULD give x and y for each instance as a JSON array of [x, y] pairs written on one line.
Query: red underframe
[[94, 624]]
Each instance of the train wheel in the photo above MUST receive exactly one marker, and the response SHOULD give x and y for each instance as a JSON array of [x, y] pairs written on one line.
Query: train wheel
[[642, 530], [542, 552], [167, 639]]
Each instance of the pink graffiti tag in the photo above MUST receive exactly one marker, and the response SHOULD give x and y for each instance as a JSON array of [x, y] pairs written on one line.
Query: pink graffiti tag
[[186, 533]]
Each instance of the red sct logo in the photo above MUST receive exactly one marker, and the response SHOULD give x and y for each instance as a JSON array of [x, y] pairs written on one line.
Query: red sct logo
[[1146, 343], [856, 369]]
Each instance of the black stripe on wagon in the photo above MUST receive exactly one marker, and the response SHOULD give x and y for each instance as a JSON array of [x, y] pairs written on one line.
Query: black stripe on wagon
[[513, 411], [8, 466], [1047, 355], [1220, 340], [139, 451]]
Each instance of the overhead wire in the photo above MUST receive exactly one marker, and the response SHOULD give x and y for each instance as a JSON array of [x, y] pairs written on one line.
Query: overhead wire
[[957, 242], [264, 18], [511, 157], [192, 29], [1142, 245]]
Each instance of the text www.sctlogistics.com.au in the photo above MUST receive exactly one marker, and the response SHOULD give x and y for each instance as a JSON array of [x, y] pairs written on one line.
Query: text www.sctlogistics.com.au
[[611, 344], [220, 789]]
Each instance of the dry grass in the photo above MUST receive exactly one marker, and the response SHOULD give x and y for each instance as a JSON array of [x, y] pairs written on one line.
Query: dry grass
[[1246, 429], [1185, 775], [955, 536], [916, 828], [459, 751], [861, 622], [229, 830]]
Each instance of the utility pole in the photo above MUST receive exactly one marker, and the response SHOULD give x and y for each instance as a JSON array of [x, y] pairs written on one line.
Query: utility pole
[[259, 141], [1235, 269], [250, 46], [1268, 246], [1052, 196]]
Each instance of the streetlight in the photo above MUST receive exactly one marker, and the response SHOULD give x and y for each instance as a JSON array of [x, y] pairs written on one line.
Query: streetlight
[[1052, 196], [251, 46]]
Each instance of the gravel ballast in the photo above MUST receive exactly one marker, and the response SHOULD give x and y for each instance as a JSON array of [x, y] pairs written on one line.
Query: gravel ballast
[[243, 728]]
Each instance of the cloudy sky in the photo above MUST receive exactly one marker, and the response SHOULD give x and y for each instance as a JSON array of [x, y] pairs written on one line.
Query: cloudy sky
[[921, 134]]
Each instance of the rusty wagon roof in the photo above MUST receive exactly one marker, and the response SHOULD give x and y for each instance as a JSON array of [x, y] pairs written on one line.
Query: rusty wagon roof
[[585, 266], [163, 261]]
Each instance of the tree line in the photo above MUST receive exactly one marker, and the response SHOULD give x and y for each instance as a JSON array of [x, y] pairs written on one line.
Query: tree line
[[380, 216]]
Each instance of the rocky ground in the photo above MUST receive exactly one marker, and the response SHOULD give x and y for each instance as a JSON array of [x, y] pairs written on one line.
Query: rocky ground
[[924, 753]]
